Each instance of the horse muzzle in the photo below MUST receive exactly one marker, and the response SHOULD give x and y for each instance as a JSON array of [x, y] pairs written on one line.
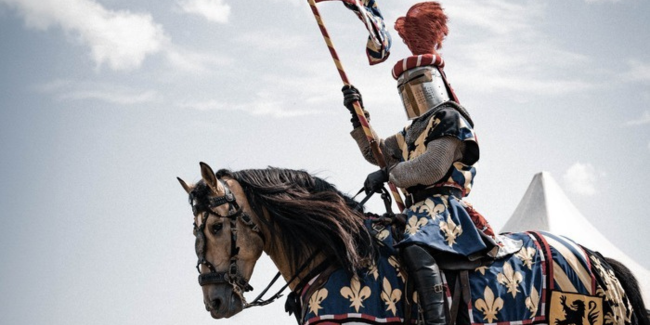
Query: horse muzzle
[[222, 302]]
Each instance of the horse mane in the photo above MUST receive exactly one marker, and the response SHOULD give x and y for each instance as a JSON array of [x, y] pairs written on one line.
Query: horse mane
[[307, 213]]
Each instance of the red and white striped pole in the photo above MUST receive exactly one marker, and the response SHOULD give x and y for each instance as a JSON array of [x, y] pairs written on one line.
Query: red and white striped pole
[[376, 151]]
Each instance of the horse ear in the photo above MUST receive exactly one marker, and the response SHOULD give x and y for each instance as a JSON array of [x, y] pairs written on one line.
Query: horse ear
[[209, 177], [186, 187]]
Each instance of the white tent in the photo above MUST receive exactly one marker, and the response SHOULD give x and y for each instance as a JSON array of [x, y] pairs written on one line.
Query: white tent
[[546, 207]]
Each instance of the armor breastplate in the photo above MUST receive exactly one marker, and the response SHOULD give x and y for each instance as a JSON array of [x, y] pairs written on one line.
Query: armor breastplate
[[421, 89]]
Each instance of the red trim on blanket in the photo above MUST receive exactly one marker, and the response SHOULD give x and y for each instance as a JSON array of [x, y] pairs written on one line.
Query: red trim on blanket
[[335, 319]]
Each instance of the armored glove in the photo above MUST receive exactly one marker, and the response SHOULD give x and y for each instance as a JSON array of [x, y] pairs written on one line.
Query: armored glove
[[351, 95], [375, 181]]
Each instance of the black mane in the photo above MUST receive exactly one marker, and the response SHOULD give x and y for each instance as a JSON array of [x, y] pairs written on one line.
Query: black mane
[[309, 213]]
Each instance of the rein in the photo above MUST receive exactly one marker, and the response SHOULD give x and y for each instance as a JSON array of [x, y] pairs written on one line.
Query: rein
[[233, 276]]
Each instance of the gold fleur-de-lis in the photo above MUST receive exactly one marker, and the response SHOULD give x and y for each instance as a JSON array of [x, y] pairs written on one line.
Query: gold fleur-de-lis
[[488, 305], [414, 224], [429, 207], [451, 230], [481, 269], [355, 293], [532, 303], [526, 255], [510, 279], [390, 296], [398, 268], [374, 270], [316, 299]]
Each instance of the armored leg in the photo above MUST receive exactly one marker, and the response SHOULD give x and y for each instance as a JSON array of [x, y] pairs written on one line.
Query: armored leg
[[425, 273]]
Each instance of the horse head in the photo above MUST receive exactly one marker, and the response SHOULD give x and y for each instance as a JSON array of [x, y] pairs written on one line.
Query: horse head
[[228, 242]]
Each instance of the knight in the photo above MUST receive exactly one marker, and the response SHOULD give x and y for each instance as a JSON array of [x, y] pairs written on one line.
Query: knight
[[432, 160]]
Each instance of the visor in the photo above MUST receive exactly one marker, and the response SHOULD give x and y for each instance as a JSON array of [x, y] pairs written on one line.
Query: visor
[[421, 89]]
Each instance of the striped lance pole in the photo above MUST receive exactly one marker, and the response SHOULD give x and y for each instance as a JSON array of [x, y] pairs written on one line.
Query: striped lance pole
[[376, 151]]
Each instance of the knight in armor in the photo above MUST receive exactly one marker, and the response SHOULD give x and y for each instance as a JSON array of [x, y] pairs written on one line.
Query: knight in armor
[[432, 159]]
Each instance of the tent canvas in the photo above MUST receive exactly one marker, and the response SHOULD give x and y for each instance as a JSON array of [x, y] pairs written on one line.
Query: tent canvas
[[546, 207]]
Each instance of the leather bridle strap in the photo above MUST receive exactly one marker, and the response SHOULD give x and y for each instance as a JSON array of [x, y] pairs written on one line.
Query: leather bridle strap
[[233, 276], [259, 302]]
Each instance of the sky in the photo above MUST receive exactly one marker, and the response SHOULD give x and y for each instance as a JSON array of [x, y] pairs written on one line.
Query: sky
[[103, 103]]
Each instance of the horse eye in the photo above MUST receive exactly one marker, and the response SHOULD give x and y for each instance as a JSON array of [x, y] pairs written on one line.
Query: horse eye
[[216, 228]]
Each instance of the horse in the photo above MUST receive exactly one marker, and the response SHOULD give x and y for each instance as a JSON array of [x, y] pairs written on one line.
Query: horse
[[341, 267]]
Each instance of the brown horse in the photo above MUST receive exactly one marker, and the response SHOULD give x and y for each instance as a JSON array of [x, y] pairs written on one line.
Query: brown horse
[[314, 235]]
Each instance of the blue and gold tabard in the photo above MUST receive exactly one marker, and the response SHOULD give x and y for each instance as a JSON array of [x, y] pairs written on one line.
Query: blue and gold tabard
[[441, 221]]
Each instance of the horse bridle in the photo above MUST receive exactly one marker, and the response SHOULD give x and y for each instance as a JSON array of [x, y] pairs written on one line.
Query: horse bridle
[[232, 276]]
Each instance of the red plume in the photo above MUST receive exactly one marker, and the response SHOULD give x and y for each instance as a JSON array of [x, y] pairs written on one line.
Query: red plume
[[423, 28]]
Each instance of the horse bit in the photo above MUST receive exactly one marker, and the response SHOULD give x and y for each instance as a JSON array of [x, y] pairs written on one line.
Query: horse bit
[[232, 276]]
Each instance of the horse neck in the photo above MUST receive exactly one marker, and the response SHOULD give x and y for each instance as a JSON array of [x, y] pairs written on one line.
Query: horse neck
[[282, 260]]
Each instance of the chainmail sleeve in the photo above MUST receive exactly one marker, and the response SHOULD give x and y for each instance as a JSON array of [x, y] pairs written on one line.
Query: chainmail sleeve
[[389, 147], [429, 167]]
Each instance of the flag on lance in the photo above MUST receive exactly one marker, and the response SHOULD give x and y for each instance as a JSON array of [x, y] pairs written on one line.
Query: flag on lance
[[379, 41]]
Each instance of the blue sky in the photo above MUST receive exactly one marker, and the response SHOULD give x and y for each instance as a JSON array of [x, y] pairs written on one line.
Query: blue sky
[[103, 103]]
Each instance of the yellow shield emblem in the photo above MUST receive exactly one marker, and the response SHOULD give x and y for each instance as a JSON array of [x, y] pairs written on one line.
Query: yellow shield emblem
[[575, 309]]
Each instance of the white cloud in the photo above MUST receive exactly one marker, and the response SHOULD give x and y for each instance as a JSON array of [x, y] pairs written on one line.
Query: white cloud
[[264, 104], [638, 71], [194, 62], [644, 119], [213, 10], [596, 1], [68, 90], [581, 179], [120, 39], [113, 97]]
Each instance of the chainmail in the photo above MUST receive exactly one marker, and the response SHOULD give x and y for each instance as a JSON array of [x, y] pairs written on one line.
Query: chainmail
[[426, 169]]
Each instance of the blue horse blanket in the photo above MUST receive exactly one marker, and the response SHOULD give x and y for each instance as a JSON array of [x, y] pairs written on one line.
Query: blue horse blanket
[[551, 280]]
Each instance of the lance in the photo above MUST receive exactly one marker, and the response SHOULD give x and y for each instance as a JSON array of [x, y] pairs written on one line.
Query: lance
[[374, 146]]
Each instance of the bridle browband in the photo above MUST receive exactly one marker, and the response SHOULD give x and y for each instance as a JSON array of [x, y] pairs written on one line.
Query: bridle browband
[[232, 276]]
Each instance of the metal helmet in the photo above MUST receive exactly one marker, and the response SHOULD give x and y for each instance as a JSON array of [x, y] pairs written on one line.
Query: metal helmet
[[421, 89]]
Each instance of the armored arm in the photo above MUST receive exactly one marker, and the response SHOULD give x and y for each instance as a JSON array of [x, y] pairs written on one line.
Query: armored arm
[[388, 147], [431, 166]]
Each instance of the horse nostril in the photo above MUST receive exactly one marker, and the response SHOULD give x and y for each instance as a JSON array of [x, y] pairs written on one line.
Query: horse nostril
[[216, 304]]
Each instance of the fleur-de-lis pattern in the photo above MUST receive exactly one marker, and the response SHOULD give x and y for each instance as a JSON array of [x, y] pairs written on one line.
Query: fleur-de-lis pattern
[[521, 281], [390, 296], [376, 292], [316, 299], [439, 220], [451, 231], [526, 255], [394, 262], [414, 224], [509, 291], [356, 293], [489, 305], [374, 271], [532, 303], [431, 207], [510, 278]]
